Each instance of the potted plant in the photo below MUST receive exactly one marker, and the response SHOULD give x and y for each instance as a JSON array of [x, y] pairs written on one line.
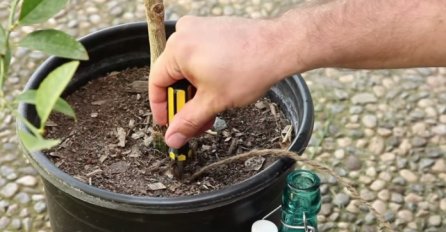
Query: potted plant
[[77, 206]]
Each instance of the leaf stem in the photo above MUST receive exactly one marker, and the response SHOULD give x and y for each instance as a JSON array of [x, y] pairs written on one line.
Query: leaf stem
[[2, 73], [12, 24]]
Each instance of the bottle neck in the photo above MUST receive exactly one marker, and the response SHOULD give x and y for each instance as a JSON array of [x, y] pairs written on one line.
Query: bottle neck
[[301, 201]]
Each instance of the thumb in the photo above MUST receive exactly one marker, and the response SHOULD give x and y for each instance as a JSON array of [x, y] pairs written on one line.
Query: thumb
[[195, 117]]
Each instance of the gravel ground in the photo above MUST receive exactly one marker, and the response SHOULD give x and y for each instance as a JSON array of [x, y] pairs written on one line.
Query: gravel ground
[[385, 130]]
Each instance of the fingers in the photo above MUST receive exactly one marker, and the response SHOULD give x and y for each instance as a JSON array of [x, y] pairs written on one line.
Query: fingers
[[193, 119], [163, 73]]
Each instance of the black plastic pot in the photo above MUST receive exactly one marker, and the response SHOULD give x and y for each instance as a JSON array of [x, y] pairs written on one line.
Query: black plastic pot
[[76, 206]]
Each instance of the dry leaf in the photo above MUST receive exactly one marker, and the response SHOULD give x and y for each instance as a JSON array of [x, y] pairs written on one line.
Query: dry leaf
[[49, 123], [138, 135], [260, 105], [137, 87], [98, 103], [156, 186], [254, 163], [120, 132]]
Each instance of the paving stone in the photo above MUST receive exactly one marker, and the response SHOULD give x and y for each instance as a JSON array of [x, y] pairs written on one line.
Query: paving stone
[[380, 206], [341, 199], [443, 204], [388, 157], [353, 163], [377, 185], [376, 145], [16, 224], [9, 190], [412, 198], [434, 220], [363, 98], [4, 222], [384, 194], [405, 215], [40, 206], [369, 121], [29, 181], [22, 197], [408, 175], [326, 209], [439, 166], [397, 198]]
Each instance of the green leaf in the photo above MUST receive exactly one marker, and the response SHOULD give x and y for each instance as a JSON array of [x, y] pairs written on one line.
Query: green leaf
[[61, 105], [36, 143], [56, 43], [2, 40], [51, 88], [37, 11]]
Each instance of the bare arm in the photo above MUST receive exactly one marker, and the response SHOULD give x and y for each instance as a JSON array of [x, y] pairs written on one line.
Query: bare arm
[[368, 34], [234, 61]]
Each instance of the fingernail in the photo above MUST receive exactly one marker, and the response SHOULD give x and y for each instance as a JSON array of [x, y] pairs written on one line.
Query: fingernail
[[176, 140]]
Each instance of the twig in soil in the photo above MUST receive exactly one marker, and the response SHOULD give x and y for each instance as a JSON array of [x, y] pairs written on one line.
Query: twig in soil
[[232, 147], [383, 225], [287, 133], [137, 87], [211, 132], [97, 171]]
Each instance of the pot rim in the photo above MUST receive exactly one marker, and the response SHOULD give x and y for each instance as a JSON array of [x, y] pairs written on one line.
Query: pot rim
[[143, 204]]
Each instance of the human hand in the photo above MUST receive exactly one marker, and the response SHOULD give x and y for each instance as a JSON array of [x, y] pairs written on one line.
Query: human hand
[[231, 62]]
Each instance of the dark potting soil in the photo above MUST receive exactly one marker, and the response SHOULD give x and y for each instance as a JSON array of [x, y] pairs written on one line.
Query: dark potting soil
[[112, 144]]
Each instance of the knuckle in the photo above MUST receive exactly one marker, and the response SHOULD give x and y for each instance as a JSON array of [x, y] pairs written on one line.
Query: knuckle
[[184, 22]]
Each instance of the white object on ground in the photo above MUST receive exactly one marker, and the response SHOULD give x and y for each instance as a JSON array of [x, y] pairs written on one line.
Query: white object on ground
[[264, 226]]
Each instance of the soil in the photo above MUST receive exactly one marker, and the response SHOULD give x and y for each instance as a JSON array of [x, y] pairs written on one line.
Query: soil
[[112, 144]]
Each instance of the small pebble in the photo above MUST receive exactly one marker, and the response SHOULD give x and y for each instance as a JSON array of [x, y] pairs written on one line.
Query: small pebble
[[40, 206], [219, 124]]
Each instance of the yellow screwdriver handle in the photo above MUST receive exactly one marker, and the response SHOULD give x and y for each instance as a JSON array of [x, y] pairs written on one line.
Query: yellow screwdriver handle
[[177, 96]]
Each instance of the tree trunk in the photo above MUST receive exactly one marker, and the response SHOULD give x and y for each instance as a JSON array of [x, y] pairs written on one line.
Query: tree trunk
[[155, 23]]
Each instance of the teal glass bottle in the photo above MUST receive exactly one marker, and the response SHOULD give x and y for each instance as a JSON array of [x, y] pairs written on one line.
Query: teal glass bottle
[[301, 202]]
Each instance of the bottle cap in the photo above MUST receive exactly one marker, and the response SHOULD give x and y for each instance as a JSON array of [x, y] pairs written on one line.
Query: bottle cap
[[264, 226]]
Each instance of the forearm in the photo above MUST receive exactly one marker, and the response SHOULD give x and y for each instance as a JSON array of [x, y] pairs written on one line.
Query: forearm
[[365, 34]]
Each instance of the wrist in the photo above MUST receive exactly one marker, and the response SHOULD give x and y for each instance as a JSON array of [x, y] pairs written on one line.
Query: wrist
[[299, 44]]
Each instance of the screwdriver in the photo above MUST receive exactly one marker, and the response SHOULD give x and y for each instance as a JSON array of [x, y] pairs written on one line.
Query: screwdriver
[[177, 96]]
